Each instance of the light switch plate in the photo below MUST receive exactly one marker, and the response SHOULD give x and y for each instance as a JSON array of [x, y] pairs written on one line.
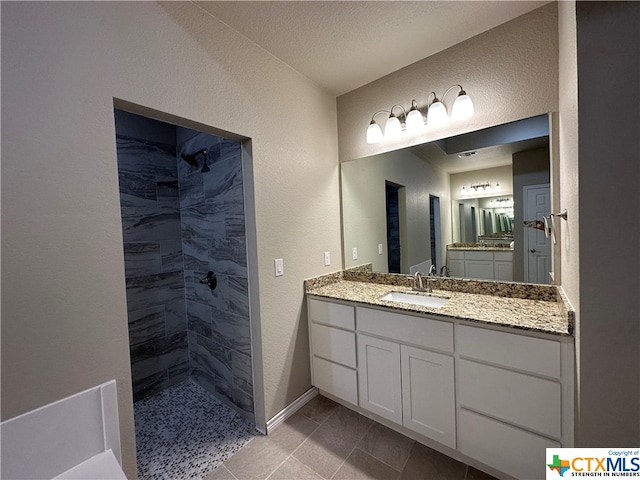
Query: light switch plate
[[327, 259], [379, 249], [279, 267], [354, 253]]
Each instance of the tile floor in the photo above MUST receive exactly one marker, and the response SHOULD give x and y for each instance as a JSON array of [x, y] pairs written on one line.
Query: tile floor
[[185, 432], [324, 440]]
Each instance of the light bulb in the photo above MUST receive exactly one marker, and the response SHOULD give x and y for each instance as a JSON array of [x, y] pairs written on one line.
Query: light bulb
[[462, 107], [415, 120], [393, 128], [437, 113], [374, 133]]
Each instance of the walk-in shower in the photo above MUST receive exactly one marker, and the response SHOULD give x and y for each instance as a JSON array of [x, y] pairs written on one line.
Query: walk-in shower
[[185, 261]]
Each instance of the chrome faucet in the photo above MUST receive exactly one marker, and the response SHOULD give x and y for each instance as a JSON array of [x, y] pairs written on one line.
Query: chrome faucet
[[418, 285], [433, 271], [444, 271]]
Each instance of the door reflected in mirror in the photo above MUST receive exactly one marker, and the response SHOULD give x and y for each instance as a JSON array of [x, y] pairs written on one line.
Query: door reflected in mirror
[[461, 201]]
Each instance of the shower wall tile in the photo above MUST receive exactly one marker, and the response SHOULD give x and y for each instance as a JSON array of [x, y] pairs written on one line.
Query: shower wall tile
[[142, 258], [213, 233], [239, 296], [232, 331], [141, 224], [152, 361], [175, 316], [154, 290], [168, 193], [241, 370], [146, 324], [228, 256], [196, 253], [171, 255]]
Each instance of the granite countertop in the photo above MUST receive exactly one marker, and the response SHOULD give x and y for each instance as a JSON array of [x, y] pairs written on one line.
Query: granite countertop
[[496, 247], [547, 315]]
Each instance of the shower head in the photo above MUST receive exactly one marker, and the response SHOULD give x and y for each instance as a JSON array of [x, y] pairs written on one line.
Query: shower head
[[192, 158]]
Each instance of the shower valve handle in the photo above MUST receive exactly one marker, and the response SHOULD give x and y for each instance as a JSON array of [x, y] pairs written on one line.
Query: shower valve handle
[[210, 280]]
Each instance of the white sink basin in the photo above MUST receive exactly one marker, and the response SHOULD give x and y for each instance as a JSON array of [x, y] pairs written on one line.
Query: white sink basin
[[415, 299]]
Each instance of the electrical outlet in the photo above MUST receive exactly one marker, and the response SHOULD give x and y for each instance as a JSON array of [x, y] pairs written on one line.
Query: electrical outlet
[[354, 253], [327, 259], [379, 249], [279, 267]]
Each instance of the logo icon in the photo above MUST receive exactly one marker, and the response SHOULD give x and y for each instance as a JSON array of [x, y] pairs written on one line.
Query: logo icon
[[560, 466]]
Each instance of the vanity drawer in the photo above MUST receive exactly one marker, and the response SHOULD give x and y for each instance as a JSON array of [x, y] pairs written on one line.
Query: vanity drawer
[[501, 446], [529, 402], [529, 354], [455, 254], [478, 255], [334, 344], [335, 379], [329, 313], [409, 329], [503, 256]]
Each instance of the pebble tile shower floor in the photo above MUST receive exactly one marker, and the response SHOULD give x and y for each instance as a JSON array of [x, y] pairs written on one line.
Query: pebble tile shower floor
[[185, 432]]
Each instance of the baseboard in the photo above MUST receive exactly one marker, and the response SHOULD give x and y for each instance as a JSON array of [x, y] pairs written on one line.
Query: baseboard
[[292, 408]]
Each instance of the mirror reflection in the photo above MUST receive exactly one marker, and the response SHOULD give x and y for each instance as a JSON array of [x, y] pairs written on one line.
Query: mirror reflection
[[460, 202]]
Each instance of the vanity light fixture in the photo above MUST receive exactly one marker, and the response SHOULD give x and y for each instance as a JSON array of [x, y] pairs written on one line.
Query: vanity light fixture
[[480, 188], [414, 121]]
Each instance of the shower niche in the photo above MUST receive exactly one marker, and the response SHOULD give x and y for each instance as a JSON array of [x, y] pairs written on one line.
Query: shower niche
[[183, 221]]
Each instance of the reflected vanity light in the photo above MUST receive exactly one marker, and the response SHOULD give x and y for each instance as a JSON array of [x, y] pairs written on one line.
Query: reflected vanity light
[[481, 188], [414, 121]]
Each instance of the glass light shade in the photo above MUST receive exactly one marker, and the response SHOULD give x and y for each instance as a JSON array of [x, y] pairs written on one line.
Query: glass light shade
[[374, 133], [464, 190], [437, 113], [462, 107], [392, 129], [415, 121], [497, 188]]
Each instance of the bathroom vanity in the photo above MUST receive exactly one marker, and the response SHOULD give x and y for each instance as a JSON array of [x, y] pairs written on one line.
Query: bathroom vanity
[[480, 261], [487, 377]]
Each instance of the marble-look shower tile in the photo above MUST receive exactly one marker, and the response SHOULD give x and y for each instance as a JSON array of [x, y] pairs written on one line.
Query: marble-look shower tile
[[154, 290], [158, 355], [230, 150], [218, 357], [202, 220], [232, 331], [137, 190], [179, 372], [228, 256], [168, 192], [235, 223], [142, 258], [238, 295], [242, 373], [144, 387], [227, 178], [146, 324], [171, 254], [199, 319], [175, 315], [196, 253], [142, 224], [227, 392], [191, 189], [144, 157]]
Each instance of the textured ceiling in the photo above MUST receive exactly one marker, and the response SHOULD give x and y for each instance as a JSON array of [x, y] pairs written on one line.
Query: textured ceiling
[[342, 45]]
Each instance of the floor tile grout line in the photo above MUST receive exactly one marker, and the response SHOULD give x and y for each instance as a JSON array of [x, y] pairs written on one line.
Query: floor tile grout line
[[354, 448], [382, 461]]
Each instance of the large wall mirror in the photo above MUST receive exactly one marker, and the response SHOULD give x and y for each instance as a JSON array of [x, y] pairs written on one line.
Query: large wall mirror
[[464, 202]]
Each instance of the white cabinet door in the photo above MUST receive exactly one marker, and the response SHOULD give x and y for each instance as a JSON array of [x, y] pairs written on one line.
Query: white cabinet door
[[503, 271], [479, 269], [456, 268], [428, 394], [379, 377]]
